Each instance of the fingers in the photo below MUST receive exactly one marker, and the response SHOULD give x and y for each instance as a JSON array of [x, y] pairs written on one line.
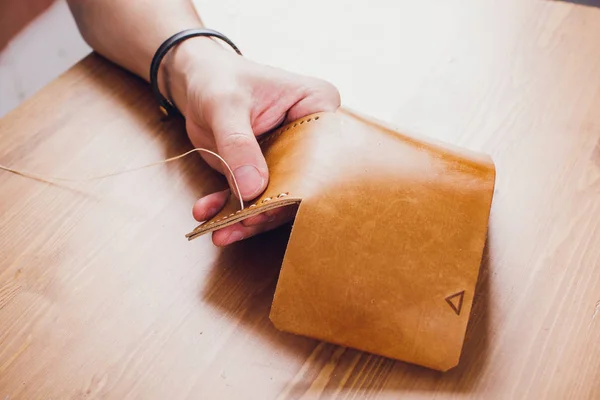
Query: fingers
[[321, 96], [237, 144], [263, 222], [208, 206]]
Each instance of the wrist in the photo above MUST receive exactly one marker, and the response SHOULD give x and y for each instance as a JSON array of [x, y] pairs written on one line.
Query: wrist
[[183, 60]]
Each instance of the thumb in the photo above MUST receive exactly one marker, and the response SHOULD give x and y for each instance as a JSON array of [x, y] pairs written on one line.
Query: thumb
[[237, 144]]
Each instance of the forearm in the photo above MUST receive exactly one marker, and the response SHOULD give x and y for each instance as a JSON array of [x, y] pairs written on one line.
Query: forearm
[[128, 32], [227, 100]]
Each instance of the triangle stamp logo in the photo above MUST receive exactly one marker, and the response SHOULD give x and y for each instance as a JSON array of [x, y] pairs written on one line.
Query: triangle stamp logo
[[456, 301]]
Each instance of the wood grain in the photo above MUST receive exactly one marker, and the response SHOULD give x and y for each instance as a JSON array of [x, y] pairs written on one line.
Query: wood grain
[[101, 295]]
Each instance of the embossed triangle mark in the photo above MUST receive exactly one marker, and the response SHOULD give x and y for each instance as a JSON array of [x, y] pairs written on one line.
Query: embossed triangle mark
[[456, 301]]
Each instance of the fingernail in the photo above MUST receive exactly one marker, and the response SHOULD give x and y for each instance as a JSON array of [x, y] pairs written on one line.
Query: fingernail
[[233, 237], [249, 180]]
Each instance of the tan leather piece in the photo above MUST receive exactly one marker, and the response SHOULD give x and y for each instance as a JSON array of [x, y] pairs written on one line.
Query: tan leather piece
[[386, 246]]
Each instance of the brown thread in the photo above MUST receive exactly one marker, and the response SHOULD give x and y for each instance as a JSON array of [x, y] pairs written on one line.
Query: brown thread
[[51, 179]]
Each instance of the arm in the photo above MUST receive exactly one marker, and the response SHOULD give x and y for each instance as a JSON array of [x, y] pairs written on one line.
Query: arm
[[227, 100], [129, 32]]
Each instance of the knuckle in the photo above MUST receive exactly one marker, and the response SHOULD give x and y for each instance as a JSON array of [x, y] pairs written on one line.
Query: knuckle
[[327, 94], [331, 93]]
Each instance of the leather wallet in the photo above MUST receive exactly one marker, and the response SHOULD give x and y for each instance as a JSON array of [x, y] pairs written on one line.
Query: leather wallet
[[387, 243]]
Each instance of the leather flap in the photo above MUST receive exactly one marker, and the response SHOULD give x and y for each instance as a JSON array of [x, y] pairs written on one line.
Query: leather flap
[[385, 249], [294, 158]]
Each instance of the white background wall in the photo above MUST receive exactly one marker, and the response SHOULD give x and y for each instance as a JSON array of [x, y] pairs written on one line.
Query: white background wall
[[342, 44]]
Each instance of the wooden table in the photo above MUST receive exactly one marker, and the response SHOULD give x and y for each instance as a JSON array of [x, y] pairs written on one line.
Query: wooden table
[[101, 296]]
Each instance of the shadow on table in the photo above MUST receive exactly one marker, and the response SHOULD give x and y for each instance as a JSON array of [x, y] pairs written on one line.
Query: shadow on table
[[242, 284]]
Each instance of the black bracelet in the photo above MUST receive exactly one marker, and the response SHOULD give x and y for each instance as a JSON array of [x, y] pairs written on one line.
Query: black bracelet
[[167, 107]]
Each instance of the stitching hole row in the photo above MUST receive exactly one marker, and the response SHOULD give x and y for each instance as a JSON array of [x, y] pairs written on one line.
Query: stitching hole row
[[265, 200], [276, 134]]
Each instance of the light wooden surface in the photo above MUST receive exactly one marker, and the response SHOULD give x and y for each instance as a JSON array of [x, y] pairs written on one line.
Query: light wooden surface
[[101, 296]]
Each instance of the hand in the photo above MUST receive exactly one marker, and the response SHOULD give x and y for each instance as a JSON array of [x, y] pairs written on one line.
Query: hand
[[228, 100]]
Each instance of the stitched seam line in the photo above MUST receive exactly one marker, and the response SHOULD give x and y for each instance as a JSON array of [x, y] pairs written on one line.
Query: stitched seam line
[[265, 200], [223, 222], [282, 130]]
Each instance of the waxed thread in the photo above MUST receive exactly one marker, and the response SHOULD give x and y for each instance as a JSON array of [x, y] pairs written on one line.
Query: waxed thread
[[51, 179]]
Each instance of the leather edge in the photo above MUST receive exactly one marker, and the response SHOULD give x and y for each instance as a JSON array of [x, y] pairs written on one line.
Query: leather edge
[[232, 218], [491, 177]]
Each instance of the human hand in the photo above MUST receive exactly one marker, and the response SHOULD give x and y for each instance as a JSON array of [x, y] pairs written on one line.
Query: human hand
[[228, 100]]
